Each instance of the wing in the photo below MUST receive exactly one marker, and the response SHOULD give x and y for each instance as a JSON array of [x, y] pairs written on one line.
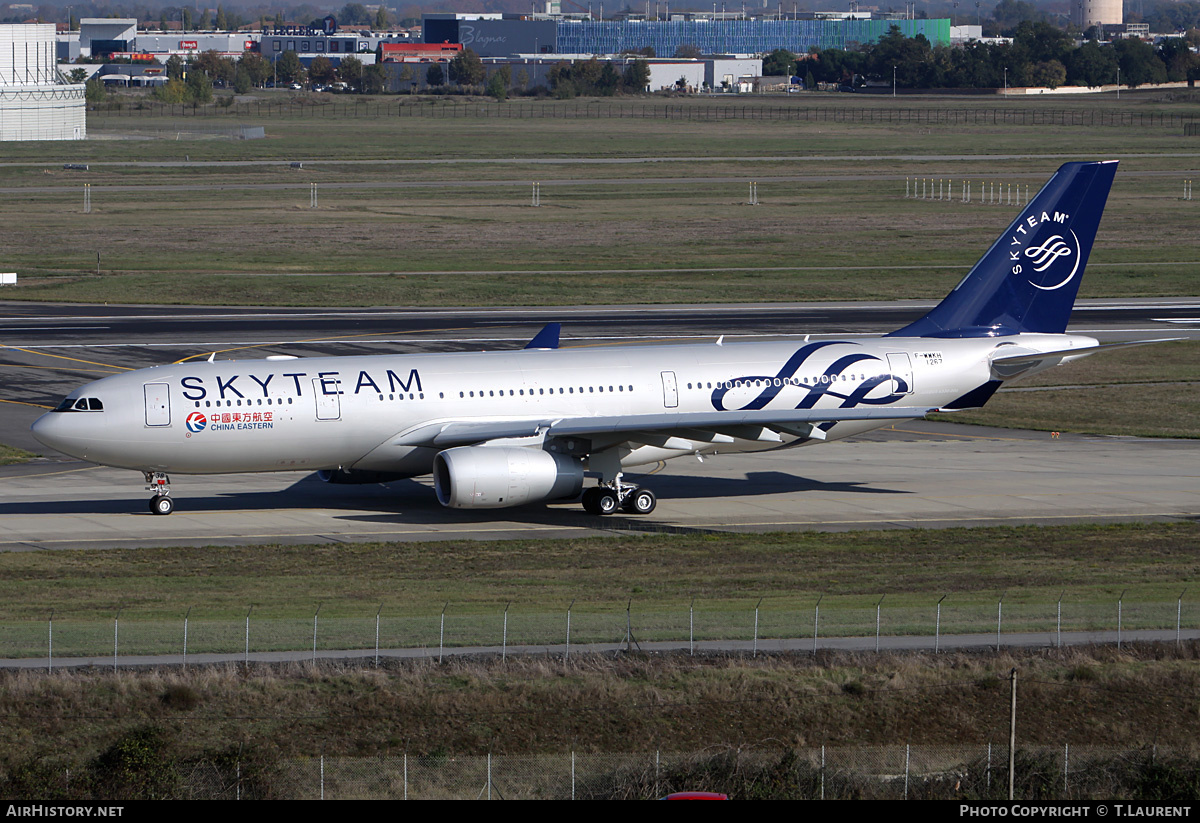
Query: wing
[[715, 426]]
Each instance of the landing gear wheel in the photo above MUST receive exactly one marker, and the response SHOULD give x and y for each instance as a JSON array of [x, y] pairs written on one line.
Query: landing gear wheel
[[641, 501], [607, 501], [599, 500], [161, 504]]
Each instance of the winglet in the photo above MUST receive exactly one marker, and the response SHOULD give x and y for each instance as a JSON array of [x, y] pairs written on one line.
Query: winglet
[[547, 338]]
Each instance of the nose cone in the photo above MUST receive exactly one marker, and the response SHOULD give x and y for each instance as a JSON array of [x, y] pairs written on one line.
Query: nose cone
[[54, 429]]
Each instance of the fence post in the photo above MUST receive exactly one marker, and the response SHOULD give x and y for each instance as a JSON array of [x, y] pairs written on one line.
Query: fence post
[[1059, 630], [315, 616], [567, 655], [755, 652], [377, 613], [116, 633], [937, 630], [442, 633], [1178, 615], [504, 635], [1120, 601], [816, 621], [999, 614]]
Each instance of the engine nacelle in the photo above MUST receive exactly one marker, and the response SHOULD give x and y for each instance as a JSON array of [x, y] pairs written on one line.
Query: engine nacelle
[[483, 477]]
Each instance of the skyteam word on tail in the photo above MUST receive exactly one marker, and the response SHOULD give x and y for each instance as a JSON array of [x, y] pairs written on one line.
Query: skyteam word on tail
[[499, 429]]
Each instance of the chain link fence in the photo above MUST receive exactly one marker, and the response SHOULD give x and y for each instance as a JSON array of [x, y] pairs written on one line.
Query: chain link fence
[[964, 772], [938, 625], [696, 111]]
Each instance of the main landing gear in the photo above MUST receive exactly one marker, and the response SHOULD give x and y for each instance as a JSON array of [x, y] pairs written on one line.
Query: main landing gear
[[160, 484], [607, 498]]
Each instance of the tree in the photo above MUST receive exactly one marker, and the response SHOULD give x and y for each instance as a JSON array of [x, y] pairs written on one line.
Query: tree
[[77, 75], [466, 69], [374, 80], [288, 67], [200, 87], [1139, 63], [434, 76], [687, 51], [242, 82], [351, 72], [496, 87], [1048, 73], [636, 76], [94, 91], [255, 66], [408, 78], [321, 70], [1092, 65], [222, 20], [381, 19], [780, 62], [175, 67]]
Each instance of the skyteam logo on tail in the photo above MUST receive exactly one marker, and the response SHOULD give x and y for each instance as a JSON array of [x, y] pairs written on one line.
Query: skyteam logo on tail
[[1054, 257]]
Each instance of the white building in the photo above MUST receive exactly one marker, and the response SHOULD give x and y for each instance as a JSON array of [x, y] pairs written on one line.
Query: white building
[[36, 102]]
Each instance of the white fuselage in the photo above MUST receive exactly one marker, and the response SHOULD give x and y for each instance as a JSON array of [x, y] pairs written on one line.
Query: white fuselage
[[355, 412]]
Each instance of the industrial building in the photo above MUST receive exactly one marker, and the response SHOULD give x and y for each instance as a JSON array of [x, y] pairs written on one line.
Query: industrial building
[[36, 101], [509, 35]]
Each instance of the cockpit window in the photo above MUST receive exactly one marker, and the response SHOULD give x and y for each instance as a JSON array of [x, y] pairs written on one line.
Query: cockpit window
[[80, 404]]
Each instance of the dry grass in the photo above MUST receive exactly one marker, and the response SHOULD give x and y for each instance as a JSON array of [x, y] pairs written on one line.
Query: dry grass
[[674, 703]]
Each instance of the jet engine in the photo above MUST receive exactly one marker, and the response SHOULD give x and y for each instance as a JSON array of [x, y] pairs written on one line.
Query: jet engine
[[484, 477]]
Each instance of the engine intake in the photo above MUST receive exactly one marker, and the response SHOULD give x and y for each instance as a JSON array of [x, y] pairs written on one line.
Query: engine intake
[[483, 477]]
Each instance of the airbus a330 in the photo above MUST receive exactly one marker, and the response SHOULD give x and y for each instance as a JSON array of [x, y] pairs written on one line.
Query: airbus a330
[[499, 429]]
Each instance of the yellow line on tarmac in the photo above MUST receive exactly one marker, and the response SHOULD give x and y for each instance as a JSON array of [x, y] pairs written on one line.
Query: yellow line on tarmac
[[64, 357], [23, 403]]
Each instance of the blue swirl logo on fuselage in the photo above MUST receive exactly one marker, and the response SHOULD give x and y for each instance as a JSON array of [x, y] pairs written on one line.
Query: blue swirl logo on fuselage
[[826, 385]]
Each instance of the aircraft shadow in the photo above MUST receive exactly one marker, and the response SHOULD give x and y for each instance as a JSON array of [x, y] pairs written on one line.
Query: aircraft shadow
[[415, 502]]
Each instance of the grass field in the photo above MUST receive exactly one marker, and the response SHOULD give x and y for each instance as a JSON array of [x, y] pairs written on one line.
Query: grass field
[[724, 575], [462, 232], [1085, 696]]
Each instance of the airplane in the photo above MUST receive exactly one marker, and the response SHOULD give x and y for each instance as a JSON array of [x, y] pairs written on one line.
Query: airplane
[[507, 428]]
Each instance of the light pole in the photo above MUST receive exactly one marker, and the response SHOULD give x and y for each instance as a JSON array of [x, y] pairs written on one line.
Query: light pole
[[1118, 82], [1006, 80], [893, 81]]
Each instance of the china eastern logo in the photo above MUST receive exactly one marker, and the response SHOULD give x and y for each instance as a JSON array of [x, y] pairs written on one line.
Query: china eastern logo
[[1052, 253], [196, 422]]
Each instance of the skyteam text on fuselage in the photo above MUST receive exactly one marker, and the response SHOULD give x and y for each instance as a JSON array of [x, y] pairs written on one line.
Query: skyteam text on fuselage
[[499, 429]]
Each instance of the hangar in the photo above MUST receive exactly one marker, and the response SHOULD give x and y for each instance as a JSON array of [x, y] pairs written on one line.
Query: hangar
[[36, 101]]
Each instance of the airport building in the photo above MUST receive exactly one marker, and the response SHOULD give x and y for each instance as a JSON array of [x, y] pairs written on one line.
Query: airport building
[[509, 35], [36, 101]]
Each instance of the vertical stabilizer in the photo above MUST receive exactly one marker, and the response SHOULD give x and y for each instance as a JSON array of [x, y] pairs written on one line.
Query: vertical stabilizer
[[1028, 279]]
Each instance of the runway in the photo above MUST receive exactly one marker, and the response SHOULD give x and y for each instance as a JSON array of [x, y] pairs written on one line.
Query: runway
[[919, 475]]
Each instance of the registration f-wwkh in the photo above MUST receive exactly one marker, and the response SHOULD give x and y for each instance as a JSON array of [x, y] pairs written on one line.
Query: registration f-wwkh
[[499, 429]]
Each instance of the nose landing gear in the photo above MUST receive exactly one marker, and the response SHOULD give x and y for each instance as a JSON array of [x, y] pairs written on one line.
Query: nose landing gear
[[161, 503]]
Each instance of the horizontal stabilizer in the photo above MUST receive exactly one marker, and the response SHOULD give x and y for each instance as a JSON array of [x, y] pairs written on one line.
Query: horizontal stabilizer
[[1007, 367]]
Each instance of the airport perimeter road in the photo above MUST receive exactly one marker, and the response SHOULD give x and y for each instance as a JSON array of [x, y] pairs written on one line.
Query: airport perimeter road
[[946, 643], [918, 475]]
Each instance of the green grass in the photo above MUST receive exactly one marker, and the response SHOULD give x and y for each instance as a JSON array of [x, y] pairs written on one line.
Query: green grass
[[831, 229], [9, 455], [1150, 391], [723, 576]]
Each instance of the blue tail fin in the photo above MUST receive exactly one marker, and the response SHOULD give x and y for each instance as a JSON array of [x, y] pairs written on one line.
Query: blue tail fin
[[1028, 279]]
